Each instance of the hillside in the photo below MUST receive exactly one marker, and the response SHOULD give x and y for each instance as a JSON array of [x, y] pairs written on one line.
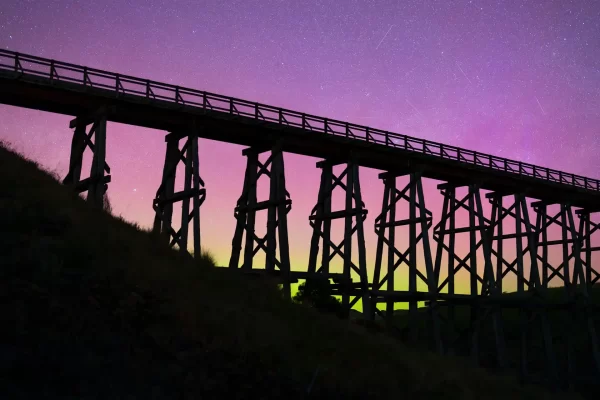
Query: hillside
[[93, 307], [560, 324]]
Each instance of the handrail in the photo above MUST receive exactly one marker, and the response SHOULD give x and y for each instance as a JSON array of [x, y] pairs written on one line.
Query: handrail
[[152, 90]]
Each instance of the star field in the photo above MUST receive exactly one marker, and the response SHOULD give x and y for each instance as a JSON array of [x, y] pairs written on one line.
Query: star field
[[517, 79]]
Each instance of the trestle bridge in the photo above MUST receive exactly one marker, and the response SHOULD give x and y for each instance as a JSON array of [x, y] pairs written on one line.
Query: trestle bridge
[[541, 333]]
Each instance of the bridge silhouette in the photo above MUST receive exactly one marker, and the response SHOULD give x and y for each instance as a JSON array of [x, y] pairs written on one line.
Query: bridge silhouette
[[562, 353]]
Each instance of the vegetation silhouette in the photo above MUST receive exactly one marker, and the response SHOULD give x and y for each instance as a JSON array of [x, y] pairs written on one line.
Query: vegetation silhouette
[[94, 307], [315, 293]]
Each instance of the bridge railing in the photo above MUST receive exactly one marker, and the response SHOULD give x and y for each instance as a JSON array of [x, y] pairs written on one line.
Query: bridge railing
[[122, 85]]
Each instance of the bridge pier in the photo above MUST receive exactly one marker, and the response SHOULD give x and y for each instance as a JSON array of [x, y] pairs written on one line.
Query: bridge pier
[[529, 288], [278, 206], [587, 229], [419, 220], [574, 305], [96, 184], [193, 190], [320, 220], [477, 225]]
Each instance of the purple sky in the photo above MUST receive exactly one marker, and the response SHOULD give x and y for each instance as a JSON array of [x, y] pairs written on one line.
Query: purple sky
[[519, 79]]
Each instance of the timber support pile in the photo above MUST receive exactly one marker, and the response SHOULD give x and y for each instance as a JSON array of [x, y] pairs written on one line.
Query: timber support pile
[[96, 184], [418, 221], [277, 206], [354, 214], [512, 231], [193, 190], [575, 336], [461, 336]]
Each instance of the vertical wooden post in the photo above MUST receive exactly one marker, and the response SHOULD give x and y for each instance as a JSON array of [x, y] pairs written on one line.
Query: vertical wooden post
[[348, 233], [542, 228], [197, 183], [429, 269], [96, 189], [328, 189], [250, 202], [523, 314], [362, 247], [535, 285], [318, 211], [241, 214], [187, 186], [474, 309], [77, 149], [581, 294], [391, 256], [282, 209], [272, 213], [380, 228], [412, 257], [570, 370], [451, 252], [164, 219], [499, 210]]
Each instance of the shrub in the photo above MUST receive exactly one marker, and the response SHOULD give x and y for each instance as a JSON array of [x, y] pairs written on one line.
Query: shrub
[[316, 293]]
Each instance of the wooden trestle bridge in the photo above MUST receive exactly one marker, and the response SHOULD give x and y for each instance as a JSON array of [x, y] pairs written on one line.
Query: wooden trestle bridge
[[551, 337]]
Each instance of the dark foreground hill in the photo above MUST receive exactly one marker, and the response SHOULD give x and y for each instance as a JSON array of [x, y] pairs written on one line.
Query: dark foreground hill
[[92, 307]]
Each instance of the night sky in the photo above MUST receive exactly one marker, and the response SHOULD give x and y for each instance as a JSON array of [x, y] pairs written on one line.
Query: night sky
[[518, 79]]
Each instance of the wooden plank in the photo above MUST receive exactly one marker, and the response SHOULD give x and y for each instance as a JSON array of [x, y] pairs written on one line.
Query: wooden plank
[[170, 170], [185, 202], [266, 204], [282, 210], [250, 200], [96, 189], [197, 192], [76, 158]]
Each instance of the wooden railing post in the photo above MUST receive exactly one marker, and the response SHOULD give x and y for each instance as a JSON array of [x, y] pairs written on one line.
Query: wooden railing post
[[17, 62]]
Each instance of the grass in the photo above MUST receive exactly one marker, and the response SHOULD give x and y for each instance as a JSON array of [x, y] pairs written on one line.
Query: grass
[[97, 308]]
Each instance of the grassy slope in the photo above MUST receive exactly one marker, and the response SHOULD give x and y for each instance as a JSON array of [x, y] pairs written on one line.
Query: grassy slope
[[95, 308]]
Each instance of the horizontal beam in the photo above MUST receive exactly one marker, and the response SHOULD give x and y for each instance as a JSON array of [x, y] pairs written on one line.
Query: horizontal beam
[[403, 222], [395, 174], [506, 300], [512, 236], [590, 248], [92, 116], [333, 161], [497, 194], [84, 184], [184, 194], [555, 242], [457, 184], [257, 149], [338, 214], [461, 230], [263, 205]]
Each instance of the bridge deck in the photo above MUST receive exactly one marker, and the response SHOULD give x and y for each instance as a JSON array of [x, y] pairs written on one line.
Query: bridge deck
[[53, 86]]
